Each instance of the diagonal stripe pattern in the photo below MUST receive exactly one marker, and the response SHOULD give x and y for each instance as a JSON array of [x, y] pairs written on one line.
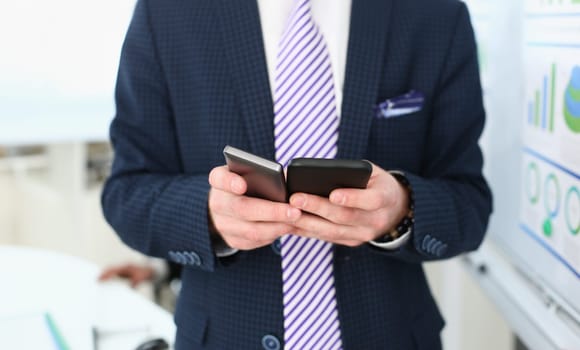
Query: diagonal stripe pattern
[[306, 125]]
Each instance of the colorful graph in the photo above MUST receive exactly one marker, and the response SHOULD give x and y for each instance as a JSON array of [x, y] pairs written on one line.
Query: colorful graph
[[573, 210], [533, 182], [551, 189], [547, 7], [541, 109], [572, 101], [551, 202]]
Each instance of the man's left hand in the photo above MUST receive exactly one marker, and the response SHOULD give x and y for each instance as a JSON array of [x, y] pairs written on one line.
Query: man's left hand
[[350, 216]]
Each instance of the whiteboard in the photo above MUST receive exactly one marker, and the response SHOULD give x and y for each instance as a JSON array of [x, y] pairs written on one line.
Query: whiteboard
[[530, 64]]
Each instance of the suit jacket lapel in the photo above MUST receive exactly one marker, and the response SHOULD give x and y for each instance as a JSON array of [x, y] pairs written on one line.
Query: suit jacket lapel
[[366, 55], [244, 48]]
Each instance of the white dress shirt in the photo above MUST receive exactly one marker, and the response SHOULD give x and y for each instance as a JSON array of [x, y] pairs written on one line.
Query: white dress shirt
[[333, 20]]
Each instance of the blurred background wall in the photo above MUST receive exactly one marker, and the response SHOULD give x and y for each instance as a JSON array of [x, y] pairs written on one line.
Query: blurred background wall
[[57, 73]]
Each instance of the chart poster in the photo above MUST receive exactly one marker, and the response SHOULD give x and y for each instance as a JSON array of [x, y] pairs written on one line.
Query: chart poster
[[550, 210]]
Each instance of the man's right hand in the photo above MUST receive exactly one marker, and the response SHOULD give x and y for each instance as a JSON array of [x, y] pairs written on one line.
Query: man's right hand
[[244, 222]]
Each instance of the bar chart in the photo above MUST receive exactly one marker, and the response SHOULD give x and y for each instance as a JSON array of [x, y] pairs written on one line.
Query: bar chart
[[541, 107]]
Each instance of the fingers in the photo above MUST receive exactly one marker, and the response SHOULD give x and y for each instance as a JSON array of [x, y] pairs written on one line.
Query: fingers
[[369, 199], [140, 275], [223, 179], [134, 273], [313, 226], [244, 235], [251, 209], [109, 273], [225, 198], [122, 271], [383, 191], [324, 208], [244, 222]]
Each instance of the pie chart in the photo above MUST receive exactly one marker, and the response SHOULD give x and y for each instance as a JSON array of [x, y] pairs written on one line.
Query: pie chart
[[572, 102]]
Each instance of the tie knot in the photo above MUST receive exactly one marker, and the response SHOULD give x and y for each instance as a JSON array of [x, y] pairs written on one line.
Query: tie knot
[[301, 6], [302, 3], [300, 14]]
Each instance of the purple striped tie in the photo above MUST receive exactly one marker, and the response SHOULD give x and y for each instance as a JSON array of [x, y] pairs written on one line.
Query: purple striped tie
[[306, 125]]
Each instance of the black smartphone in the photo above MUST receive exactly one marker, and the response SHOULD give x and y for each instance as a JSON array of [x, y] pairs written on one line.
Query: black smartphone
[[265, 178], [322, 176]]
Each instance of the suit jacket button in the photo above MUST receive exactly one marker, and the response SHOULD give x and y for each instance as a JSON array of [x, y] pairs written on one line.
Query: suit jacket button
[[424, 245], [190, 258], [172, 256], [180, 258], [442, 250], [196, 258], [270, 342], [434, 247], [277, 247]]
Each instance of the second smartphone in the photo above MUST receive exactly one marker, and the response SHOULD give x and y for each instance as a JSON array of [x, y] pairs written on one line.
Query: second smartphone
[[322, 176]]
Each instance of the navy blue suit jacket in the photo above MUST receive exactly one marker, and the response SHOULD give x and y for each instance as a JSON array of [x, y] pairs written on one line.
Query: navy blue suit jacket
[[193, 78]]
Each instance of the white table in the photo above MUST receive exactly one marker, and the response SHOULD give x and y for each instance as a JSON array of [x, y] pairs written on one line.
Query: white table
[[36, 281]]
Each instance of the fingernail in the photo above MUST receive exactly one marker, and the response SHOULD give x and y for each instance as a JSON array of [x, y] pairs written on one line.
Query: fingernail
[[293, 214], [298, 201], [236, 186], [337, 198]]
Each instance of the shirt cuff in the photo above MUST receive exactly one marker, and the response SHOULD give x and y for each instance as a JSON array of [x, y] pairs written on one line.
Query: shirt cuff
[[393, 245], [220, 248]]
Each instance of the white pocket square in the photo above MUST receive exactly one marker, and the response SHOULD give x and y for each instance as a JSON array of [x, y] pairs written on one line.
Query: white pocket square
[[401, 105]]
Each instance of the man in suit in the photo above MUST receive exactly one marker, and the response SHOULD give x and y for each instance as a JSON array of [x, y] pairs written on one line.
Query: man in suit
[[399, 82]]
